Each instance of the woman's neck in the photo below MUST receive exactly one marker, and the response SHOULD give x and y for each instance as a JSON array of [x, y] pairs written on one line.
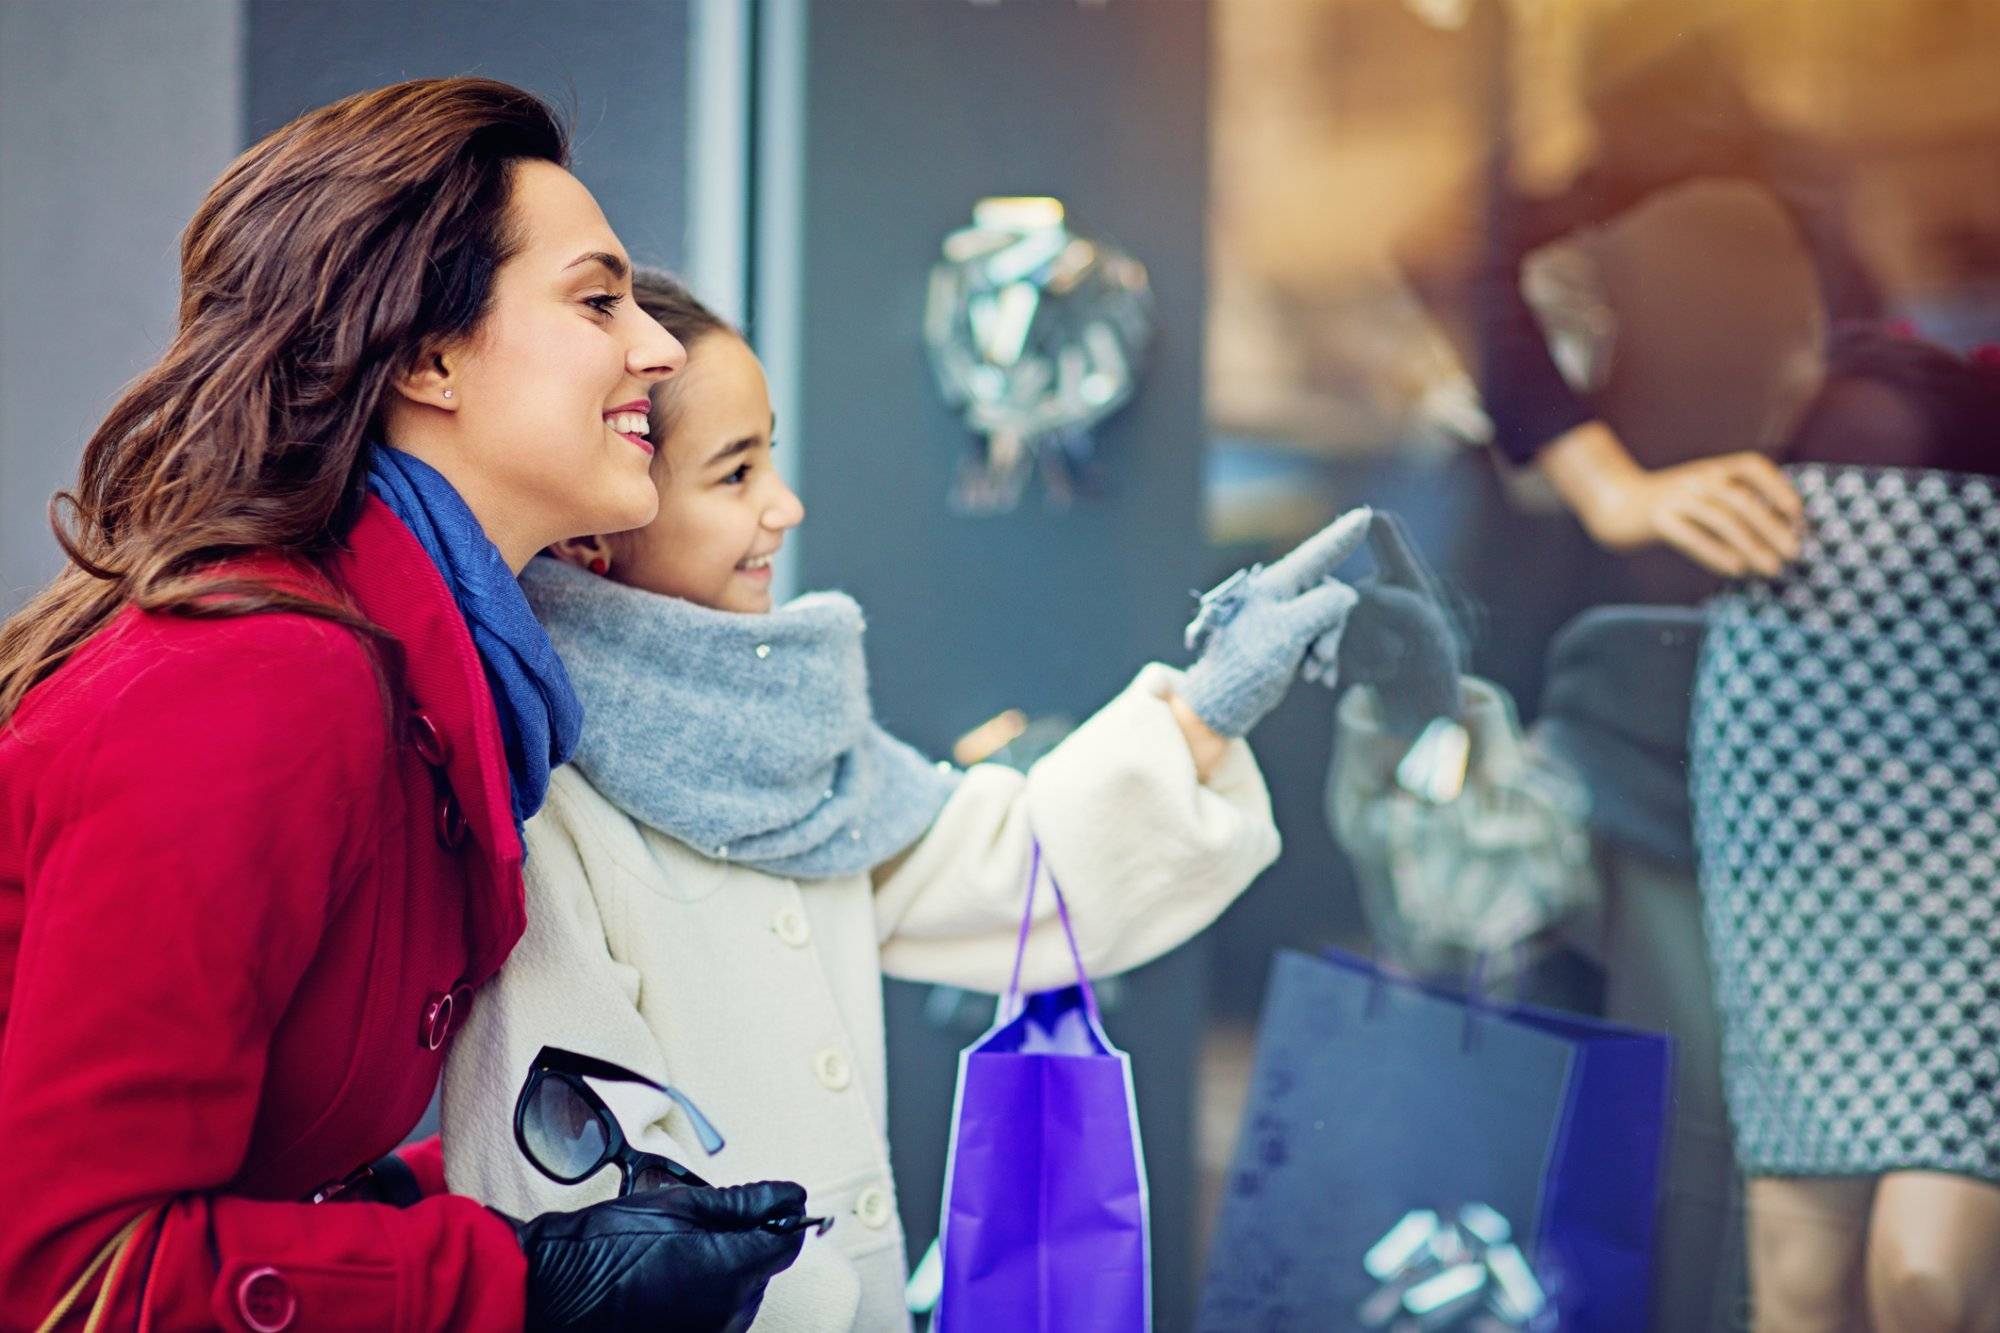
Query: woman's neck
[[516, 547]]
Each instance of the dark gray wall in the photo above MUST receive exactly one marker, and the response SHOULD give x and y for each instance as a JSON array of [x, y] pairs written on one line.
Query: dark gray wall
[[618, 68], [115, 117], [915, 108]]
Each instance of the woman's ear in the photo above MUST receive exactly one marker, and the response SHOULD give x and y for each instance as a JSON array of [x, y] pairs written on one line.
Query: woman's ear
[[591, 553], [429, 381]]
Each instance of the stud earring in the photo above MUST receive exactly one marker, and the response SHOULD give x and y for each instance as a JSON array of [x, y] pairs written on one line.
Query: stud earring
[[599, 565]]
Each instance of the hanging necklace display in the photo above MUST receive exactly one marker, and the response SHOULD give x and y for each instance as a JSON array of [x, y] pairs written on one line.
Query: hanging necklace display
[[1035, 335]]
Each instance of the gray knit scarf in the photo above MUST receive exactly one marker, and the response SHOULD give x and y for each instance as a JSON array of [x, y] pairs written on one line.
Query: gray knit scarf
[[747, 737]]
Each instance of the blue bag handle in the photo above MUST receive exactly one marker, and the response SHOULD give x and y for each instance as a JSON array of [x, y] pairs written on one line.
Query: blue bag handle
[[1475, 994], [1013, 1001]]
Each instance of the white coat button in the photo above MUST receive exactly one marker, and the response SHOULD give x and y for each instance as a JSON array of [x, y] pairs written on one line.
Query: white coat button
[[833, 1070], [872, 1206], [790, 924]]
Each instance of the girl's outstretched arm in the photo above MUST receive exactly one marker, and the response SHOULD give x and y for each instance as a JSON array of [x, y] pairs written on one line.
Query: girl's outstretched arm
[[1147, 849]]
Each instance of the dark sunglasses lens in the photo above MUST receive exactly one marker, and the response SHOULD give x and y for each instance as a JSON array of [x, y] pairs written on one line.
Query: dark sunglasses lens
[[564, 1135], [653, 1178]]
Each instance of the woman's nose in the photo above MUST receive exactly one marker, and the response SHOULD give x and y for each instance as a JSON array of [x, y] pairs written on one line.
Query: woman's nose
[[655, 354]]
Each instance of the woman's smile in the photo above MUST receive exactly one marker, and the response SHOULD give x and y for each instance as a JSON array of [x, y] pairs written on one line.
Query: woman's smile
[[630, 420]]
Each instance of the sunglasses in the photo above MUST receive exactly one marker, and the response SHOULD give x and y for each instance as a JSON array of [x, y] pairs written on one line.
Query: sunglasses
[[564, 1128], [566, 1131]]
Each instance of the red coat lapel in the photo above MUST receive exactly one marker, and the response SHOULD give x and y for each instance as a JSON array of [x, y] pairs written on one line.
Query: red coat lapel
[[394, 584]]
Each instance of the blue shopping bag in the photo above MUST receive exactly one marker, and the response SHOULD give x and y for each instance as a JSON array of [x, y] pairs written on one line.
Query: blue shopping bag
[[1397, 1135], [1045, 1220]]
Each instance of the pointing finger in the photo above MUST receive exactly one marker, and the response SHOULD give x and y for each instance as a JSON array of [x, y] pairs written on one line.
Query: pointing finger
[[1395, 557], [1320, 554]]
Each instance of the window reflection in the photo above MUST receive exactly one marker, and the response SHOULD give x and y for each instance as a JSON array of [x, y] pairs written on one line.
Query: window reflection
[[1666, 327]]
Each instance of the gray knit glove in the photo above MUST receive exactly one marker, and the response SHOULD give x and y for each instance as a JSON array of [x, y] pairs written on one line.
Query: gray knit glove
[[1253, 629]]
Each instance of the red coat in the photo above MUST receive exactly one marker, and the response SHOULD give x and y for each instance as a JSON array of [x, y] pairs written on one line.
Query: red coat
[[232, 898]]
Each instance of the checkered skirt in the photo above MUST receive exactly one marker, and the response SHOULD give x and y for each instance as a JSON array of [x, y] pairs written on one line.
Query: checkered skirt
[[1845, 768]]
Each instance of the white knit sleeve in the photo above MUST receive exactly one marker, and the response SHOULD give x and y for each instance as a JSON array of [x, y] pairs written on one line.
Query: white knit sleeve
[[1147, 854]]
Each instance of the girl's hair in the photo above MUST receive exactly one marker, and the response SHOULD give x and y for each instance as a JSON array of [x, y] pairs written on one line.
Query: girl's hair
[[678, 311], [329, 257], [667, 299]]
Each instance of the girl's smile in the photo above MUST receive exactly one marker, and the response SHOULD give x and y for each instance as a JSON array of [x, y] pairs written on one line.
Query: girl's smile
[[724, 510]]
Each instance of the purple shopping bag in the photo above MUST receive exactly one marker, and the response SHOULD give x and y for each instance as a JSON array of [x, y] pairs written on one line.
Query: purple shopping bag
[[1045, 1220]]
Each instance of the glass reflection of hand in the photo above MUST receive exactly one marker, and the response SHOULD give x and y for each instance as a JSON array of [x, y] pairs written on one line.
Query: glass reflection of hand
[[1733, 515]]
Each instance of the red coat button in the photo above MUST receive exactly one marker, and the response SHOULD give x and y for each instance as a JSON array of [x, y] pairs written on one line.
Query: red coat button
[[436, 1024], [266, 1301], [431, 745], [451, 825]]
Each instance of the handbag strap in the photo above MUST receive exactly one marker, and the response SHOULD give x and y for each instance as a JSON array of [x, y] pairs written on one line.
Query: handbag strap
[[113, 1252], [1021, 945]]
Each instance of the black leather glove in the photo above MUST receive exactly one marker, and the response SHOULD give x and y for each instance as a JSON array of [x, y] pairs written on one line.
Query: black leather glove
[[679, 1260]]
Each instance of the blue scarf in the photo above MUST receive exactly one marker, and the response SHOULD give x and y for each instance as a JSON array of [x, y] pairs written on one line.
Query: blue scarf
[[747, 737], [540, 715]]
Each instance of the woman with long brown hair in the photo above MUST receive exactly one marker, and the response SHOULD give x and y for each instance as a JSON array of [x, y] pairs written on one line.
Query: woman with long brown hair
[[266, 744]]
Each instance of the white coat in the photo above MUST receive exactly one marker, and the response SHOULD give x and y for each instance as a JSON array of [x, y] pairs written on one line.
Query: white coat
[[761, 997]]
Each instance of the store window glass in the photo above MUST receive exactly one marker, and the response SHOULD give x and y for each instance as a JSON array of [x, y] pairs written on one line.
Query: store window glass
[[1666, 330]]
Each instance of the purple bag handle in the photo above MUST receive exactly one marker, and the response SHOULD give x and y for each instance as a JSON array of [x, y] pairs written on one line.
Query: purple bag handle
[[1021, 946]]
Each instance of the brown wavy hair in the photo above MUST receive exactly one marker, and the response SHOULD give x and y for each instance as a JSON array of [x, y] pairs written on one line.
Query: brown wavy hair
[[330, 256]]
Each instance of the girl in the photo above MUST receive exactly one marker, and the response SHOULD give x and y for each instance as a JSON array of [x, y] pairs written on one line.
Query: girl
[[266, 743], [739, 854]]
